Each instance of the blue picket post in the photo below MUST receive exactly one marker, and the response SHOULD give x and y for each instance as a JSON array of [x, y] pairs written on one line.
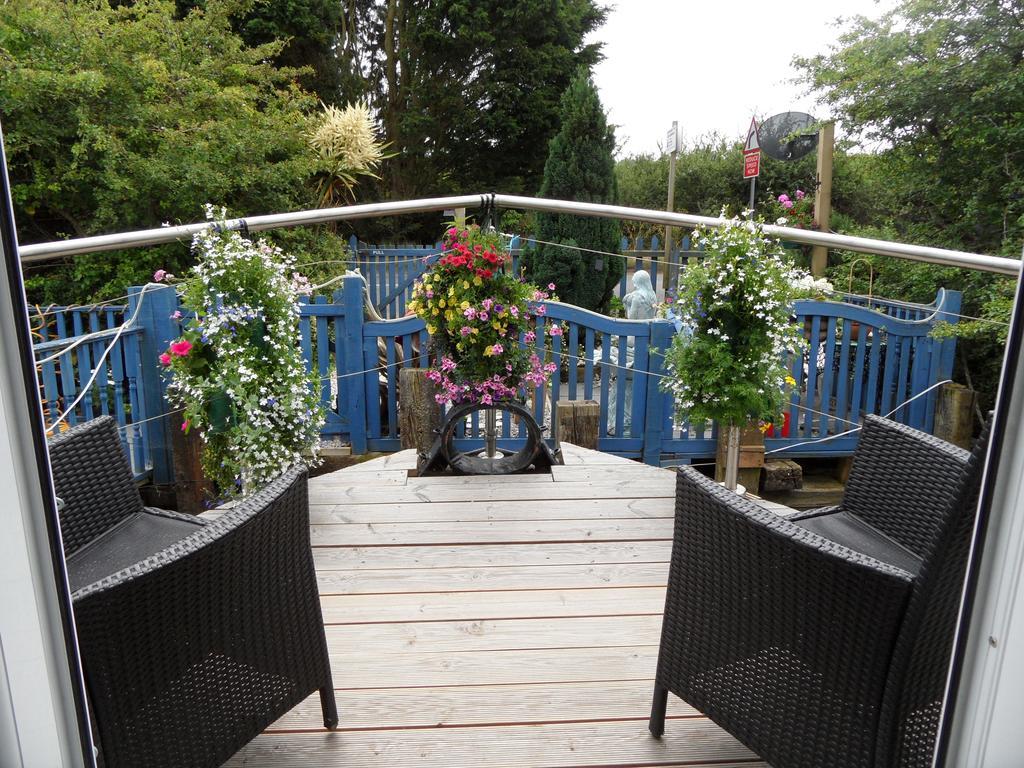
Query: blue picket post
[[349, 357], [662, 332], [158, 331]]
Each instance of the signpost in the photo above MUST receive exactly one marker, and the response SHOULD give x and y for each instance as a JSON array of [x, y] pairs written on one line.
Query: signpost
[[672, 147], [752, 158]]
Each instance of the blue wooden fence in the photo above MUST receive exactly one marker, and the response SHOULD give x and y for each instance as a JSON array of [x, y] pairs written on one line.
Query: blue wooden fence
[[855, 361]]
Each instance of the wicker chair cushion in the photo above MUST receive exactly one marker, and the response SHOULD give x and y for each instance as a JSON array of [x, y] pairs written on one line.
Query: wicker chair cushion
[[132, 540], [853, 533]]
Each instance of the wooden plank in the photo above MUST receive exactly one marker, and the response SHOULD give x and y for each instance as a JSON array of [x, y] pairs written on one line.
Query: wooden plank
[[358, 476], [502, 578], [491, 555], [463, 606], [630, 488], [427, 637], [492, 531], [376, 708], [344, 477], [467, 511], [601, 474], [688, 741]]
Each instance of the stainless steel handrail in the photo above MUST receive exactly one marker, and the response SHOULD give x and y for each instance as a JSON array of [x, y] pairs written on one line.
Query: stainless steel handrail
[[44, 251]]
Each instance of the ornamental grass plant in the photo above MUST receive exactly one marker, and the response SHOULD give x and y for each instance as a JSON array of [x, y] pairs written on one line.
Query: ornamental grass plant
[[237, 369], [729, 363], [481, 321]]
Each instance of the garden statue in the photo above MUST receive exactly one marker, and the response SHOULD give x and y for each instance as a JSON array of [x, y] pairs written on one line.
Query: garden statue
[[641, 301]]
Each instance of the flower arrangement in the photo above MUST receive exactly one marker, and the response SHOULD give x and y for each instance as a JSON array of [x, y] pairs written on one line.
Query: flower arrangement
[[805, 286], [476, 314], [237, 369], [796, 211], [736, 303]]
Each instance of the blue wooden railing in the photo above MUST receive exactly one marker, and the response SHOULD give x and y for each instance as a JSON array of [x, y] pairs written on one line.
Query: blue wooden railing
[[855, 361]]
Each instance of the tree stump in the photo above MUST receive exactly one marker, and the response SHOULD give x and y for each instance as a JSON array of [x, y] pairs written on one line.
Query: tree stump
[[578, 422], [191, 488], [419, 414], [954, 414]]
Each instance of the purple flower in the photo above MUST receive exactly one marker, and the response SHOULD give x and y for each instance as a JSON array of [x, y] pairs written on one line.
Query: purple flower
[[483, 316], [799, 194], [159, 275], [466, 330]]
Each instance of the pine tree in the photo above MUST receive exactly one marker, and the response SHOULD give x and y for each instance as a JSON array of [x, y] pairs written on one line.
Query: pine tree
[[579, 167]]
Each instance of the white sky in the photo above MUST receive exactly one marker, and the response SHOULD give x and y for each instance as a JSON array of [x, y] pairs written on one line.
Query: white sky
[[710, 64]]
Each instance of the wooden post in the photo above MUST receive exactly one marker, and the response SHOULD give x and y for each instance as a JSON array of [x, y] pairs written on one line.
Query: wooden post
[[751, 456], [673, 147], [419, 414], [823, 195], [578, 422], [954, 414]]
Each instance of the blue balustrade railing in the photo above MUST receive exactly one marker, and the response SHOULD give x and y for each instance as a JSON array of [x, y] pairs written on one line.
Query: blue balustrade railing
[[855, 360]]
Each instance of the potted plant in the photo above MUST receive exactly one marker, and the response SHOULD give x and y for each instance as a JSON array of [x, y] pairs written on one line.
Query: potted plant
[[735, 305], [481, 324], [237, 369]]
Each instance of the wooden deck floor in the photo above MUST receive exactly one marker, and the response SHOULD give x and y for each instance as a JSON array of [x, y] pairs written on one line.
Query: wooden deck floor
[[493, 622]]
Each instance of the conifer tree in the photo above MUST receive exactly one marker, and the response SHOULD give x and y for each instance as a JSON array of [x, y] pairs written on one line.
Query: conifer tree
[[579, 167]]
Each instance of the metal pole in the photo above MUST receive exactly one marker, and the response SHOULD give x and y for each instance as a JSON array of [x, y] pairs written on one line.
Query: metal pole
[[943, 256], [753, 181], [491, 432], [671, 204], [732, 458]]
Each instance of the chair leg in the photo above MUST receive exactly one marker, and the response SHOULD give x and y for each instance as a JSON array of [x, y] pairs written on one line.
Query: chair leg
[[657, 723], [329, 707]]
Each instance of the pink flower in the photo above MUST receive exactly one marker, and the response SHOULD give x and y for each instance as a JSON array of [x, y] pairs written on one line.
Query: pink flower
[[783, 199], [176, 315], [483, 316], [556, 330], [184, 426], [470, 312], [800, 194], [530, 337], [542, 310], [465, 330], [497, 349], [165, 359], [181, 348], [787, 203], [487, 304], [159, 275], [551, 286]]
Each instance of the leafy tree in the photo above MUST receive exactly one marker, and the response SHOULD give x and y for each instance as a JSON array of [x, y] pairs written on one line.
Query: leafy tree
[[579, 167], [121, 118], [942, 83], [467, 91]]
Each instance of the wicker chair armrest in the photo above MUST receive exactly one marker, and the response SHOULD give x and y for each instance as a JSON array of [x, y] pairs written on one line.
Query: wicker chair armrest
[[902, 482], [743, 579], [805, 514]]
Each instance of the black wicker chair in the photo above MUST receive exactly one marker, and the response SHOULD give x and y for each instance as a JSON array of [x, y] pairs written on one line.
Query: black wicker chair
[[195, 635], [823, 638]]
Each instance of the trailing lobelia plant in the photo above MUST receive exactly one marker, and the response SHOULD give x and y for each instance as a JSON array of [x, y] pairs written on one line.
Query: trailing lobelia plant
[[476, 313], [735, 304], [238, 369]]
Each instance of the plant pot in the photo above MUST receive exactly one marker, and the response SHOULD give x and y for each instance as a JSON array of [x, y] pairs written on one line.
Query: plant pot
[[220, 413]]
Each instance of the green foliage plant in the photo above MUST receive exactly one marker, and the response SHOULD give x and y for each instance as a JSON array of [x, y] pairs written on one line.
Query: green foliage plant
[[476, 312], [584, 261], [728, 364], [237, 369]]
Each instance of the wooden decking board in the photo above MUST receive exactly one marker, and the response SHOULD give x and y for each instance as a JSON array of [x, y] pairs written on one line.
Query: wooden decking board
[[474, 511], [687, 741], [489, 532], [509, 577], [491, 555], [474, 606], [492, 622], [484, 705]]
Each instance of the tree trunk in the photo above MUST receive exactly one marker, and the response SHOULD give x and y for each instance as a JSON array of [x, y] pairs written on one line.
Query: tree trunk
[[419, 414]]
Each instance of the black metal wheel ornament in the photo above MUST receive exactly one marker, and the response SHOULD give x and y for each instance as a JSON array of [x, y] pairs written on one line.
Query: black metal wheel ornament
[[535, 454]]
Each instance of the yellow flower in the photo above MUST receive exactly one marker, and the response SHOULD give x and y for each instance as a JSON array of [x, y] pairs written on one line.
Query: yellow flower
[[436, 311], [451, 291], [477, 280], [791, 381], [441, 304], [431, 329], [465, 304], [496, 325], [449, 315], [474, 330], [488, 351], [465, 285]]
